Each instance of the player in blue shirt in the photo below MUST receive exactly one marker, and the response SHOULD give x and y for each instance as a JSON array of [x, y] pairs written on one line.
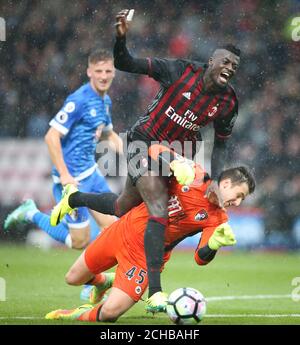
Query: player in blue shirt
[[83, 120]]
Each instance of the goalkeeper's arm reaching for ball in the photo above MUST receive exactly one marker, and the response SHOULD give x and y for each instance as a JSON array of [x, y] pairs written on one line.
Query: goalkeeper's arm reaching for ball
[[212, 240]]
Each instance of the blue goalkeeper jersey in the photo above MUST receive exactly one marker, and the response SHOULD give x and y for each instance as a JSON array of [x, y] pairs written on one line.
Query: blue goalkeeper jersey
[[81, 120]]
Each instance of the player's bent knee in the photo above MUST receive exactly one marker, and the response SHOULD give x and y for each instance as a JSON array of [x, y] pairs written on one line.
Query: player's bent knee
[[80, 242], [71, 277], [110, 313]]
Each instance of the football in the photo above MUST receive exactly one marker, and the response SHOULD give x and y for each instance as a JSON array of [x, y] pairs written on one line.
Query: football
[[186, 306]]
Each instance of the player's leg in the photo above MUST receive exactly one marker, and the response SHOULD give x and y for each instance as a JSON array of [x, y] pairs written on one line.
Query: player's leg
[[79, 272], [154, 191], [28, 212], [79, 228], [98, 184], [79, 236], [128, 287], [117, 303], [79, 221], [104, 220], [97, 258], [108, 203]]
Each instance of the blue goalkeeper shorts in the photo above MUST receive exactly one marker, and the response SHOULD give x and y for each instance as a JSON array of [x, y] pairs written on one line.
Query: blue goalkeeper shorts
[[95, 183]]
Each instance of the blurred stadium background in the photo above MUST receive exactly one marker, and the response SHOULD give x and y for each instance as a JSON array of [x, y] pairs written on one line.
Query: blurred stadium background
[[44, 58]]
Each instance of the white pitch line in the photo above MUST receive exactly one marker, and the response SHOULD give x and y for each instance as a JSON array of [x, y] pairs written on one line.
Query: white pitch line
[[251, 315], [245, 297], [206, 316], [208, 299], [248, 297], [20, 318]]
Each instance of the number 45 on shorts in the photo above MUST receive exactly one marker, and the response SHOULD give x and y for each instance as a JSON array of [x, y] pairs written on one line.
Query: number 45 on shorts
[[140, 275]]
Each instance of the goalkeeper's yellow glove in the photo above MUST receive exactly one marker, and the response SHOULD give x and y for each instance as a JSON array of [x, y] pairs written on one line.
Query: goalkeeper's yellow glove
[[222, 236], [183, 170]]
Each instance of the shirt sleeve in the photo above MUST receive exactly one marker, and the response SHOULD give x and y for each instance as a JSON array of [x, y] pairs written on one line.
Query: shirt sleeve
[[69, 114], [108, 121], [215, 220], [224, 125], [206, 234], [166, 71]]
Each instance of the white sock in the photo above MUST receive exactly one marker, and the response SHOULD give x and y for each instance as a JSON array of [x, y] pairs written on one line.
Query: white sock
[[29, 214], [68, 241]]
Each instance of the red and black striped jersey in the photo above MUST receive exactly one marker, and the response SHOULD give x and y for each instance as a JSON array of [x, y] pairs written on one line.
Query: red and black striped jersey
[[182, 106]]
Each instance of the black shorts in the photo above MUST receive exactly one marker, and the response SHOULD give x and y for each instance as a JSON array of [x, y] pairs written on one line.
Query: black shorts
[[138, 160]]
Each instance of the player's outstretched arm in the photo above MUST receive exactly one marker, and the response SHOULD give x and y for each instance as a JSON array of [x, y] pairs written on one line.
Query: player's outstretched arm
[[52, 139], [123, 60], [115, 142], [211, 241]]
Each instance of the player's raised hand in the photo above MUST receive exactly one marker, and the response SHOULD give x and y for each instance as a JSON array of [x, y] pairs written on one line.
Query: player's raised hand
[[184, 171], [122, 23]]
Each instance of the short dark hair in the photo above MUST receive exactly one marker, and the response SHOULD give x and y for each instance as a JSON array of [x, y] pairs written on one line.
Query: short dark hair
[[99, 55], [239, 175], [231, 48]]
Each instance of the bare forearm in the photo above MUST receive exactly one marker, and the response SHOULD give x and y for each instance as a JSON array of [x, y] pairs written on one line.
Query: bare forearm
[[114, 141], [56, 155]]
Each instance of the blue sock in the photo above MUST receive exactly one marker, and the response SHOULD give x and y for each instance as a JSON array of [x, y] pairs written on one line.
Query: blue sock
[[59, 232]]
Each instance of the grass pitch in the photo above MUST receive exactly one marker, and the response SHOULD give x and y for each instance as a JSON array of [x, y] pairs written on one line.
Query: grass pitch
[[241, 287]]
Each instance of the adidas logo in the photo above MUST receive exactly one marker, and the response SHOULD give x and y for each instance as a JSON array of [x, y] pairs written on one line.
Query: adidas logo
[[187, 95]]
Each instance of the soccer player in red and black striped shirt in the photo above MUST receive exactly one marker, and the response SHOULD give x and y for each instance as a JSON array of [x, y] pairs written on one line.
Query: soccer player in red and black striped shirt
[[192, 95]]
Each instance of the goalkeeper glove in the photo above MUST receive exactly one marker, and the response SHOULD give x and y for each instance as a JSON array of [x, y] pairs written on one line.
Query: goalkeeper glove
[[222, 236], [183, 170], [157, 302]]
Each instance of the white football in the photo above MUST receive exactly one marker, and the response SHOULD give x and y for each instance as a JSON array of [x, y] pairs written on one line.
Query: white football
[[186, 306]]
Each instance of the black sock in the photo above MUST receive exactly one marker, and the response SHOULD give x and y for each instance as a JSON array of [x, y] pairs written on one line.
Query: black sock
[[154, 250], [103, 203]]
